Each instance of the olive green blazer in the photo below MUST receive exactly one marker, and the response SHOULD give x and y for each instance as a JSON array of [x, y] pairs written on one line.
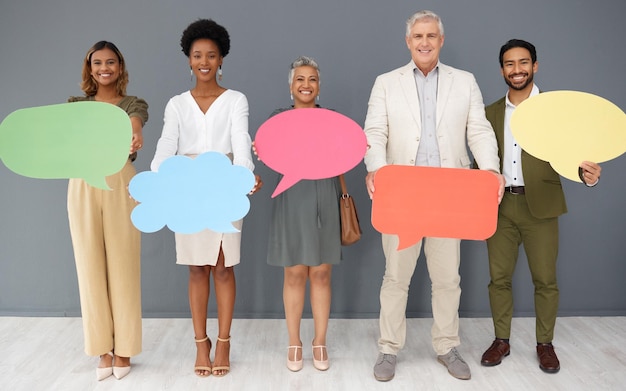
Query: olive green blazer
[[542, 184]]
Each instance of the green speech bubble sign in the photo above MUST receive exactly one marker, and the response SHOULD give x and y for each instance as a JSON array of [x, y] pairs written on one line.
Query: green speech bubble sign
[[88, 140]]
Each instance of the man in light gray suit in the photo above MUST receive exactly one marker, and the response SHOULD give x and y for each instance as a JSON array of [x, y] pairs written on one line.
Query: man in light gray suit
[[425, 113]]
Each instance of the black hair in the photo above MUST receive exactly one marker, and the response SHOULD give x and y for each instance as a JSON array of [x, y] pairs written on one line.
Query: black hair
[[518, 43], [205, 29]]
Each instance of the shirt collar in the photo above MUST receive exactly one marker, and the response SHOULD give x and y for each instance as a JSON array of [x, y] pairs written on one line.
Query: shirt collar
[[434, 71], [533, 92]]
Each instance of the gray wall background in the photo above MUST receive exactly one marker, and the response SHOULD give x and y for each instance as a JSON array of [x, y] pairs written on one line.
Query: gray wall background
[[42, 43]]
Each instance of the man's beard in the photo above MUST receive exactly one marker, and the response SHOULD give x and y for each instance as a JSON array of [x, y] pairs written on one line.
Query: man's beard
[[520, 87]]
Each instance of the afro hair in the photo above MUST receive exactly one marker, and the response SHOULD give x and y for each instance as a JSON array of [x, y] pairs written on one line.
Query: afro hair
[[205, 29]]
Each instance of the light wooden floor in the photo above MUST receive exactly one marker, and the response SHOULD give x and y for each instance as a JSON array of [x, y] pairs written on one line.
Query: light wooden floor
[[47, 354]]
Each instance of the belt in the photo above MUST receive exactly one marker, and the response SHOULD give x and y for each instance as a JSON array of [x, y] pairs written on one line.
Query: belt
[[515, 189]]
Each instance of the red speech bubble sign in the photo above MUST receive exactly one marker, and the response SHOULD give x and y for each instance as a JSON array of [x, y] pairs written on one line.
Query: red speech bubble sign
[[309, 144], [416, 202]]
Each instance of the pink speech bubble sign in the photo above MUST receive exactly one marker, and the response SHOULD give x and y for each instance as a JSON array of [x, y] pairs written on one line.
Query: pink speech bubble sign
[[416, 202], [309, 144]]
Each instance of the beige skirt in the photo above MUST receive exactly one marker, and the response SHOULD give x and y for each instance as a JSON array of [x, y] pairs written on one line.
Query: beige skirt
[[203, 248]]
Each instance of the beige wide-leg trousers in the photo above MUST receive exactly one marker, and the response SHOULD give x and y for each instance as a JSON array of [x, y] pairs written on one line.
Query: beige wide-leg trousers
[[107, 254], [442, 261]]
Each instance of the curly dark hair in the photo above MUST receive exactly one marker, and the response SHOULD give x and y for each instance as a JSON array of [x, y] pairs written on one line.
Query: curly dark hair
[[205, 29]]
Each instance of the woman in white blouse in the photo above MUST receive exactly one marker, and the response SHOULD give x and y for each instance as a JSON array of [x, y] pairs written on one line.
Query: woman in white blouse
[[209, 117]]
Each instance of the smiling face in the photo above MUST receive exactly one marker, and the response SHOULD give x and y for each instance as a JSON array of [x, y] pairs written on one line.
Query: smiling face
[[518, 68], [305, 86], [204, 59], [105, 67], [425, 42]]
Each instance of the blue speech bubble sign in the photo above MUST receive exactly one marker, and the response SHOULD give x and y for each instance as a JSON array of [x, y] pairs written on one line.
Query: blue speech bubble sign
[[88, 140], [190, 195]]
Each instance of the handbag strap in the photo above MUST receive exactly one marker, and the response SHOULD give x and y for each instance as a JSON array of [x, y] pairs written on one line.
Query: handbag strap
[[344, 190]]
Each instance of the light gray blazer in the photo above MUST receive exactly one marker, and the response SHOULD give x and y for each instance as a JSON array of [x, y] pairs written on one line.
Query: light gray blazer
[[393, 123]]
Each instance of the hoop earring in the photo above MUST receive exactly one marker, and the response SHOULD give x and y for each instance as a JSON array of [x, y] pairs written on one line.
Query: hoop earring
[[219, 73]]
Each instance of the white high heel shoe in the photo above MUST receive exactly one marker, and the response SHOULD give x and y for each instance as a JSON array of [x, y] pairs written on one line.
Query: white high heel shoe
[[103, 373], [321, 364], [120, 372], [294, 365]]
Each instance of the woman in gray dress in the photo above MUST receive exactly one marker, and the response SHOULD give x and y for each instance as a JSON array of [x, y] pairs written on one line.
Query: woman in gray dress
[[305, 235]]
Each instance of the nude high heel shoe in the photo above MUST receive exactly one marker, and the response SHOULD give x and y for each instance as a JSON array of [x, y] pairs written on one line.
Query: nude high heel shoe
[[221, 370], [120, 372], [201, 370], [294, 365], [103, 373], [322, 364]]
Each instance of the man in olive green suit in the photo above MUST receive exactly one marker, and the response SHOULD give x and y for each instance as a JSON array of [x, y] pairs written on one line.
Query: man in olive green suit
[[528, 214]]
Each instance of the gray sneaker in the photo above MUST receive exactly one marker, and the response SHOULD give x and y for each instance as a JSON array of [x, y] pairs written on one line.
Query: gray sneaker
[[385, 367], [457, 367]]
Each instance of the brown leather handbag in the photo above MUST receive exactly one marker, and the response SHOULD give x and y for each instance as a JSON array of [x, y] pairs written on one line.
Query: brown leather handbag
[[350, 228]]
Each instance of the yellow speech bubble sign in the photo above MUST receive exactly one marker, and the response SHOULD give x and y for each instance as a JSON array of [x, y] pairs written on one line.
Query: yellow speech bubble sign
[[566, 128], [88, 140]]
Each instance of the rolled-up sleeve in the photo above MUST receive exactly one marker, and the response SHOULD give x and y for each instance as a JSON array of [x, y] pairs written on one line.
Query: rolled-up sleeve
[[138, 108]]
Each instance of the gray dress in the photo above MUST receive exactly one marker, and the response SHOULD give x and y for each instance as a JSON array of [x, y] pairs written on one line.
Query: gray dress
[[305, 227]]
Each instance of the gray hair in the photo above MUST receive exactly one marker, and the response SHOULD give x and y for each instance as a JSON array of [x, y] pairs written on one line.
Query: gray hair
[[300, 62], [421, 15]]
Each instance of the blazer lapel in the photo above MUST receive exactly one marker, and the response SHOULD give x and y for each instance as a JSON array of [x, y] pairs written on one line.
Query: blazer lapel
[[495, 115], [498, 128], [407, 82], [444, 88]]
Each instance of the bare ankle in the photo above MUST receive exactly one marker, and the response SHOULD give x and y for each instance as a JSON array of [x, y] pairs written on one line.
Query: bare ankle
[[106, 360]]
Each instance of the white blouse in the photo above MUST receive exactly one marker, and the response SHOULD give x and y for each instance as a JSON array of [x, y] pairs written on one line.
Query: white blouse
[[189, 131]]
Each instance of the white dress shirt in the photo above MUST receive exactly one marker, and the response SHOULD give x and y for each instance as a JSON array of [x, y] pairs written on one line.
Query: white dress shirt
[[428, 148], [512, 159]]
